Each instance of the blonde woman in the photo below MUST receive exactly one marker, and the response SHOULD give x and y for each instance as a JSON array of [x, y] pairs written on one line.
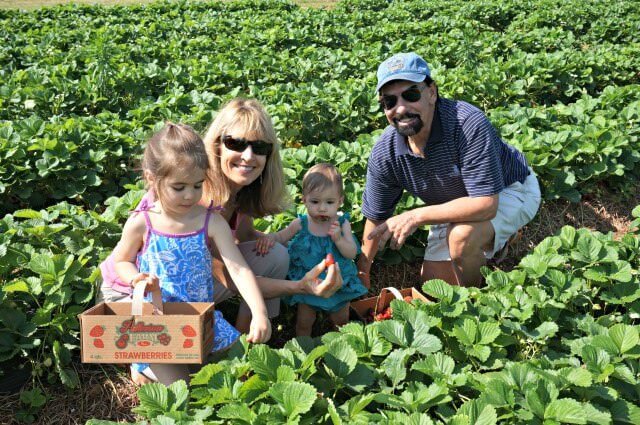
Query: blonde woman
[[245, 178]]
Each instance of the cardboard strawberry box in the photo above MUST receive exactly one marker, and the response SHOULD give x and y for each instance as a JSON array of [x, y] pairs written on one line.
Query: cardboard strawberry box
[[362, 309], [156, 333]]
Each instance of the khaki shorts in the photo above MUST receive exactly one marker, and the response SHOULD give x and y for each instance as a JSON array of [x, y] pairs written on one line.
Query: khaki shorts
[[517, 205]]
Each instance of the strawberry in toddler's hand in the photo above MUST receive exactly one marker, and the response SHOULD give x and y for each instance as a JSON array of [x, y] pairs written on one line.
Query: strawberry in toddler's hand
[[329, 260]]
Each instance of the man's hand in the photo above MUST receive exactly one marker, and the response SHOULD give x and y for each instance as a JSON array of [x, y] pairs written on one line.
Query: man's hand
[[396, 229], [322, 288]]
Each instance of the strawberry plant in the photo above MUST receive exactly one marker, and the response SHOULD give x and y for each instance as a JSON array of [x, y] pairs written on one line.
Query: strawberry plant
[[528, 348]]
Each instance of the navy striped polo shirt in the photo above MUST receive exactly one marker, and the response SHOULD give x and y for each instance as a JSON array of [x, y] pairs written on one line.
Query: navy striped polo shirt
[[464, 156]]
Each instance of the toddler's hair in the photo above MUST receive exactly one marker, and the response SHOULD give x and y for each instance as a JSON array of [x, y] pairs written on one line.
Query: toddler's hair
[[174, 146], [320, 177]]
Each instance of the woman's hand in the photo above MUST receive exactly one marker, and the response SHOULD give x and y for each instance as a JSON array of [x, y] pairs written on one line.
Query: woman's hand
[[264, 244], [260, 329], [322, 288]]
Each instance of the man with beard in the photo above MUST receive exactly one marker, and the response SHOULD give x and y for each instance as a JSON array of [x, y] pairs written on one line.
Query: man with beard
[[477, 190]]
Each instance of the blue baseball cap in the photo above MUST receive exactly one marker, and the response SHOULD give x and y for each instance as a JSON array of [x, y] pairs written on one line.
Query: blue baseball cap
[[402, 66]]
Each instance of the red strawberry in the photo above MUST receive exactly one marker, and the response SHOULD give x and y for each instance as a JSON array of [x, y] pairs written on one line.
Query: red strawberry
[[98, 343], [408, 299], [329, 260], [97, 331], [188, 343], [122, 341], [188, 331]]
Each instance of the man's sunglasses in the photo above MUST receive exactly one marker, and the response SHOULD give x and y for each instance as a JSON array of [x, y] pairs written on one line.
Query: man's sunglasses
[[412, 94], [238, 144]]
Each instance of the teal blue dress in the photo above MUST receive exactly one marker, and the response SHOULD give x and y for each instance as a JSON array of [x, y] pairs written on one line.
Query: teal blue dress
[[305, 252]]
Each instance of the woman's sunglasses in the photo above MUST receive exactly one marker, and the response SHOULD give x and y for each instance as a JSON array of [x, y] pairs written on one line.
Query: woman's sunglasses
[[238, 144], [412, 94]]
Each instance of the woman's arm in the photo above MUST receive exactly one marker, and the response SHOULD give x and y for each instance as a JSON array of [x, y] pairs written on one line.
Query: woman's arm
[[243, 277], [244, 229], [309, 284]]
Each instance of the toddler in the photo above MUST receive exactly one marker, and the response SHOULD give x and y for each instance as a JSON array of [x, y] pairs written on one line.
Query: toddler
[[310, 237]]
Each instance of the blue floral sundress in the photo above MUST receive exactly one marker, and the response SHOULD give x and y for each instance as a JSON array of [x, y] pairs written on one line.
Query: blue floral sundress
[[306, 250], [182, 262]]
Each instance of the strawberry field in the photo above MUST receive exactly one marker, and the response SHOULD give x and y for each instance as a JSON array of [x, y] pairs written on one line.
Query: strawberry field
[[553, 340]]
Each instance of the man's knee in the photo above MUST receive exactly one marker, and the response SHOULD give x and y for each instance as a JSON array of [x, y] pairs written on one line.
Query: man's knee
[[468, 238]]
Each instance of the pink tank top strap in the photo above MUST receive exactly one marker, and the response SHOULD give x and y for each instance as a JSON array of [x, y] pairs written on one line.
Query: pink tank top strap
[[210, 209]]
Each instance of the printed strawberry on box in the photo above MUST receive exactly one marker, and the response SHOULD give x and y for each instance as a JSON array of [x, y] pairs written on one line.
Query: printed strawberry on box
[[139, 332]]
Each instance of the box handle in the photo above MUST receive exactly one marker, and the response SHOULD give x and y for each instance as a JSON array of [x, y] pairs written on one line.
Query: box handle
[[138, 299], [383, 292]]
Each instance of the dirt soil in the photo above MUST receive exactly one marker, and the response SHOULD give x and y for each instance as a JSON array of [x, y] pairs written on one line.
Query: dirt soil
[[107, 393]]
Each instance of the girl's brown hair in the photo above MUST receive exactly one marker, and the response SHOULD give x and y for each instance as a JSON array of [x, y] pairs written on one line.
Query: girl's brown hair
[[174, 146], [267, 194], [320, 177]]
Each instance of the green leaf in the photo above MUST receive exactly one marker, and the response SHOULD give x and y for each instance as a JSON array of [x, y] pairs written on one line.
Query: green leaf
[[488, 416], [294, 398], [545, 330], [623, 373], [488, 332], [577, 376], [154, 400], [34, 398], [361, 378], [253, 389], [588, 249], [341, 358], [178, 395], [438, 289], [395, 365], [534, 264], [285, 373], [606, 343], [43, 265], [498, 393], [466, 333], [437, 365], [16, 286], [565, 410], [425, 343], [624, 412], [333, 413], [358, 403], [567, 236], [624, 336], [264, 361], [596, 416], [621, 271], [236, 412], [395, 332]]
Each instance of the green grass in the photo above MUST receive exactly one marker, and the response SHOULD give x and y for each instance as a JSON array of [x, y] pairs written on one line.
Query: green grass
[[34, 4]]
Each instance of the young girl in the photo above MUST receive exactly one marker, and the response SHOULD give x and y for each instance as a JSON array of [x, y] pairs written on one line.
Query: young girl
[[320, 232], [169, 241]]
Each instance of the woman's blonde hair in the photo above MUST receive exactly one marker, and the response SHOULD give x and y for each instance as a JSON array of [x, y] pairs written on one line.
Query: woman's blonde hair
[[174, 146], [267, 194]]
